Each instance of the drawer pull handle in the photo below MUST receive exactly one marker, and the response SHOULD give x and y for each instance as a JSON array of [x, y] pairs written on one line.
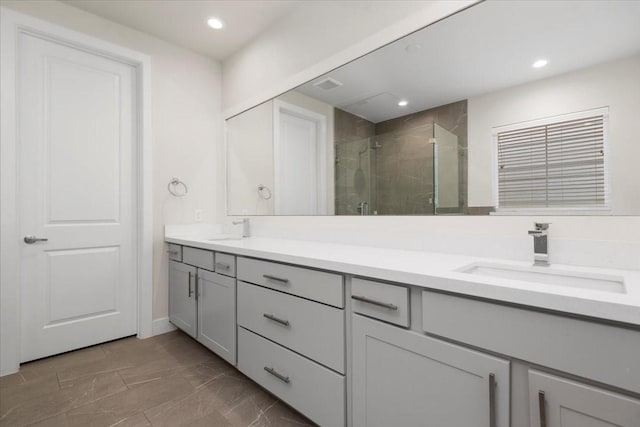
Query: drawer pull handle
[[275, 319], [223, 266], [277, 279], [173, 253], [374, 302], [542, 409], [277, 375], [492, 400]]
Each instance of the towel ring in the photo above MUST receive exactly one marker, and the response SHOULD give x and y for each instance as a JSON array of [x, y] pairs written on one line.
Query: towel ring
[[263, 192], [174, 187]]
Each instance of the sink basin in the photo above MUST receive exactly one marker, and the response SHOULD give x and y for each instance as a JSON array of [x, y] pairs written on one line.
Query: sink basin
[[548, 276]]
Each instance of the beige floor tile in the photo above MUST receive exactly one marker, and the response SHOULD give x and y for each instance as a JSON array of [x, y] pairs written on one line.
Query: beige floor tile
[[63, 361], [215, 419], [59, 420], [11, 396], [281, 415], [95, 367], [115, 408], [252, 409], [168, 380], [80, 392], [12, 380], [178, 412]]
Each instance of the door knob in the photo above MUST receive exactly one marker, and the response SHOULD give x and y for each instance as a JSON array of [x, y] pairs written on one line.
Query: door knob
[[29, 239]]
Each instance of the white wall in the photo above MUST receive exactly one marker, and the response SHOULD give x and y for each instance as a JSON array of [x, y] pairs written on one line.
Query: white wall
[[250, 160], [250, 154], [615, 85], [186, 123], [291, 54]]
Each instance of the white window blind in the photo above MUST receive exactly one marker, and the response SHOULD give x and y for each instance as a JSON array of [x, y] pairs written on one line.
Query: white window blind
[[556, 164]]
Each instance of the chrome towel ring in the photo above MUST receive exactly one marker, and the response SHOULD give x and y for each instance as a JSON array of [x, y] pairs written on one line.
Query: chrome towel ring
[[177, 187], [264, 192]]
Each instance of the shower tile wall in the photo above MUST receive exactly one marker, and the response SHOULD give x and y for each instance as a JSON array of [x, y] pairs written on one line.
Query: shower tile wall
[[405, 163], [352, 136]]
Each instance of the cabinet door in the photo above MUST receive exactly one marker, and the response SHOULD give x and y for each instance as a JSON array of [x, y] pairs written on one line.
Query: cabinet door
[[217, 314], [559, 402], [404, 378], [182, 300]]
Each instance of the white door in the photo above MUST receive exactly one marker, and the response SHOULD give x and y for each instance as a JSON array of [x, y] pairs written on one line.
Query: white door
[[77, 139], [299, 161]]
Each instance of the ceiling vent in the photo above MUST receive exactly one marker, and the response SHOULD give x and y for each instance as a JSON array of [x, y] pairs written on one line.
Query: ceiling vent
[[327, 84]]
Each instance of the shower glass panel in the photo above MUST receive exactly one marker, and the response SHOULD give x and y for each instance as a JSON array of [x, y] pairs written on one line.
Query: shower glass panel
[[354, 177], [446, 172], [410, 171], [404, 172]]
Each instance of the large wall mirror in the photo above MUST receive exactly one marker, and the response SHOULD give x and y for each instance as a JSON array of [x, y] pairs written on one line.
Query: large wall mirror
[[503, 108]]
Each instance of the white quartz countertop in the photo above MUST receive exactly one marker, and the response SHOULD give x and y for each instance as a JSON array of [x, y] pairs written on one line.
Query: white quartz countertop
[[437, 271]]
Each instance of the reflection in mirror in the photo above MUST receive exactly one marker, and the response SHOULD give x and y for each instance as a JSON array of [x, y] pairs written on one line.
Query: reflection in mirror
[[503, 108]]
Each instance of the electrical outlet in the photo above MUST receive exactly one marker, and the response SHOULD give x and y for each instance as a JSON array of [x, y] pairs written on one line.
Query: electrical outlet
[[197, 215]]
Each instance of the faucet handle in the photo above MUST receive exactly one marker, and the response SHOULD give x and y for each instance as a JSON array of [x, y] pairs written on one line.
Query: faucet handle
[[541, 225]]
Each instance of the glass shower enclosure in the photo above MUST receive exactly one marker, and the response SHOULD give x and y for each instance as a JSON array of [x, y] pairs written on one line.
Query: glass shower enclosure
[[409, 172]]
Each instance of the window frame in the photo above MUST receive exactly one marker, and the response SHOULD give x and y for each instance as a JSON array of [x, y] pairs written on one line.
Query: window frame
[[569, 210]]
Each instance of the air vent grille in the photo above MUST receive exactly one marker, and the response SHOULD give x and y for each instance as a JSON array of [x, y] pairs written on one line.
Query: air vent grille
[[327, 84]]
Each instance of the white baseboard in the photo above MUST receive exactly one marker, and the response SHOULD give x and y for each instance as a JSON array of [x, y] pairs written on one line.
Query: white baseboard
[[162, 326]]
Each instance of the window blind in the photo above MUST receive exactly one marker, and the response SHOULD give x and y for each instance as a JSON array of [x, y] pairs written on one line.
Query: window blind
[[554, 165]]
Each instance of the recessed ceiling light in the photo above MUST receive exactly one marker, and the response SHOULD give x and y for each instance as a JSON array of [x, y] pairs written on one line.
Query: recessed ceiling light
[[403, 103], [540, 63], [215, 23]]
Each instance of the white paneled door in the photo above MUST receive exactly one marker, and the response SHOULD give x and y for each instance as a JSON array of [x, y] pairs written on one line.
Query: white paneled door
[[77, 189]]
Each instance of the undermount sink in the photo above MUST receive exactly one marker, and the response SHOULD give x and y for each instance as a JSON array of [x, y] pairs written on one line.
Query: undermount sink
[[548, 276]]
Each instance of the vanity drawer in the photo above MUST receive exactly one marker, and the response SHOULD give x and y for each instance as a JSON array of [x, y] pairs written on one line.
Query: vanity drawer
[[198, 257], [225, 264], [175, 252], [314, 390], [311, 284], [309, 328], [603, 353], [383, 301]]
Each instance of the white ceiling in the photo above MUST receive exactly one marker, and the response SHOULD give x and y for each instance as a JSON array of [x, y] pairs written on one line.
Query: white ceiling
[[488, 47], [184, 22]]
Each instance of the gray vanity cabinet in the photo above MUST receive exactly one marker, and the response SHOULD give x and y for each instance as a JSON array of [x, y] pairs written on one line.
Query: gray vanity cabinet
[[405, 378], [182, 298], [559, 402], [217, 314], [202, 302]]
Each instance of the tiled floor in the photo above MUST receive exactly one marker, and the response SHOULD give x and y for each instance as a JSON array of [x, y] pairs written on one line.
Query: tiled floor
[[168, 380]]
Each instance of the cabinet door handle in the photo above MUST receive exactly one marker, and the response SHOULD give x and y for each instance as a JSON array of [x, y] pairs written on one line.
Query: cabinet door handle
[[542, 409], [492, 400], [275, 319], [223, 266], [277, 375], [197, 286], [277, 279], [374, 302], [189, 287]]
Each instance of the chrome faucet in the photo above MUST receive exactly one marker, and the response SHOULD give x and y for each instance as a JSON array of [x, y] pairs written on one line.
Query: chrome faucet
[[246, 226], [540, 248], [363, 208]]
